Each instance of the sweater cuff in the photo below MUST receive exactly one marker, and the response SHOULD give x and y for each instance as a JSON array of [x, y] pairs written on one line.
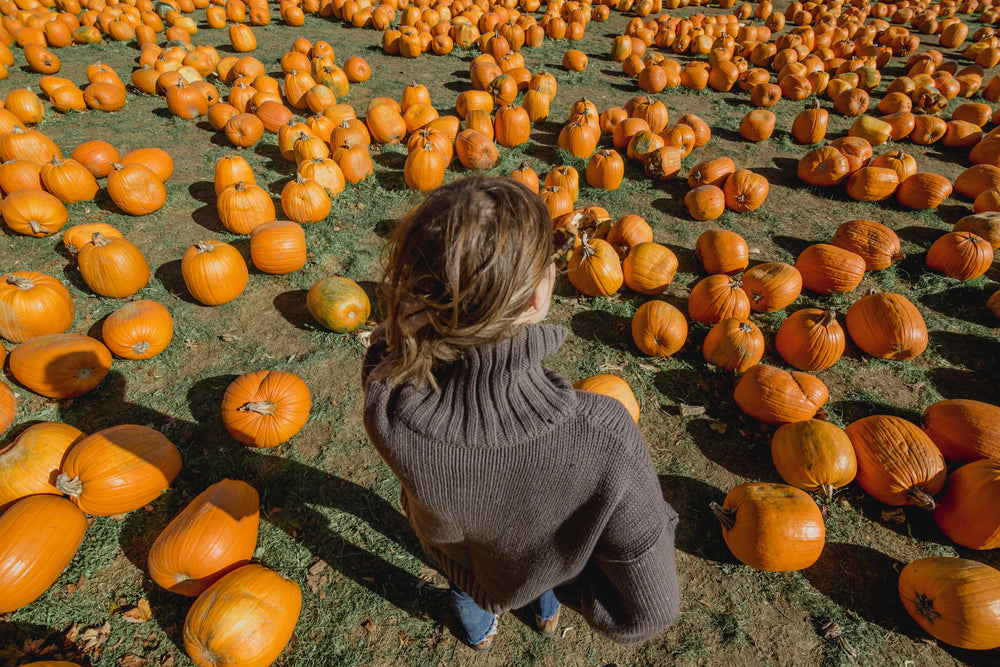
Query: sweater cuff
[[632, 601]]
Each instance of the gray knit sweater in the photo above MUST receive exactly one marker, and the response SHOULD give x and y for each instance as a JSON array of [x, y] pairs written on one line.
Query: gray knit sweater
[[516, 483]]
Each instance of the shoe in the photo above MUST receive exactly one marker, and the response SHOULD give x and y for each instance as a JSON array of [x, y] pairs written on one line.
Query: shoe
[[548, 628], [484, 645]]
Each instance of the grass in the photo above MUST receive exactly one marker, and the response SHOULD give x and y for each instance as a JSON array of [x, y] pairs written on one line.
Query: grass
[[329, 504]]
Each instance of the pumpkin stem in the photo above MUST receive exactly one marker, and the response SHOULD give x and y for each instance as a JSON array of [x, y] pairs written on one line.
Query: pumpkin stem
[[56, 162], [726, 517], [585, 246], [260, 407], [897, 256], [829, 317], [814, 104], [735, 283], [72, 487], [921, 498], [36, 226], [925, 607], [117, 165], [20, 282], [745, 327], [826, 490], [140, 347], [204, 246], [17, 129], [99, 239]]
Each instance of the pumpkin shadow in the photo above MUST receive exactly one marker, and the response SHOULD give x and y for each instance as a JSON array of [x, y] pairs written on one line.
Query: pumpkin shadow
[[208, 217], [851, 411], [203, 191], [169, 275], [599, 326], [374, 294], [919, 235], [697, 530], [963, 301], [793, 245], [741, 447], [292, 306], [959, 383], [977, 353], [383, 228], [72, 273], [687, 262], [952, 213]]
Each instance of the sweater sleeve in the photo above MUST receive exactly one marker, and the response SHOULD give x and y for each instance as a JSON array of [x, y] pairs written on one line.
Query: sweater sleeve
[[629, 591]]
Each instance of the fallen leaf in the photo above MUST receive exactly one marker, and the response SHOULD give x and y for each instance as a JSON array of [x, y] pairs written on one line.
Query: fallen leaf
[[72, 633], [168, 661], [118, 517], [369, 626], [719, 427], [229, 338], [832, 629], [92, 638], [140, 613], [131, 661], [648, 367]]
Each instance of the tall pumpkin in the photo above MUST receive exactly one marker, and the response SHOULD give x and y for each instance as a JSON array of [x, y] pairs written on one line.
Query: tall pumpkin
[[771, 527], [214, 534], [266, 408], [39, 536], [113, 267], [119, 469], [219, 630], [814, 455], [33, 304], [956, 600], [595, 269], [214, 272], [897, 463]]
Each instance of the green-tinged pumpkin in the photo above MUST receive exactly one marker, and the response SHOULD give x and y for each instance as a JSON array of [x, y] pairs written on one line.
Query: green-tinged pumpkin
[[814, 455], [338, 304]]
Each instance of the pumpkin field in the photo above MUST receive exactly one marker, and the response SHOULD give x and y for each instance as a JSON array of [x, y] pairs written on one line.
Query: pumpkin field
[[784, 218]]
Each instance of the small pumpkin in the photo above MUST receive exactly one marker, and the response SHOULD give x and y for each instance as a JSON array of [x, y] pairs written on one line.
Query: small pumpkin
[[829, 269], [659, 329], [875, 243], [968, 511], [338, 304], [138, 330], [722, 251], [136, 189], [278, 247], [960, 255], [772, 286], [649, 268], [612, 386]]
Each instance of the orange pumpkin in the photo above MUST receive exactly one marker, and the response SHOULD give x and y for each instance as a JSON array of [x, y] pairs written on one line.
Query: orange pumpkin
[[138, 330], [777, 396], [771, 527], [875, 243], [659, 329], [717, 298], [811, 339], [39, 536], [214, 272], [612, 386], [29, 465], [649, 268], [33, 304], [595, 269], [887, 326], [113, 267], [60, 365], [734, 344], [772, 286], [265, 408], [278, 247], [814, 455], [968, 511], [964, 430], [213, 535], [828, 269]]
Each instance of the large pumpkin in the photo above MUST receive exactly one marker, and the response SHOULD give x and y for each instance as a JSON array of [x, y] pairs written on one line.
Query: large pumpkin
[[954, 599], [113, 267], [245, 618], [33, 304], [338, 304], [595, 269], [214, 534], [777, 396], [613, 386], [963, 429], [968, 511], [30, 464], [659, 329], [887, 326], [119, 469], [772, 286], [266, 408], [897, 463], [814, 455], [772, 527], [214, 272], [60, 365], [811, 339], [39, 536], [8, 407], [828, 269]]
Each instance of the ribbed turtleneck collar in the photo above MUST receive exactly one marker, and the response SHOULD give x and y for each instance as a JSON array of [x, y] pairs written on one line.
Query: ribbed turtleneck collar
[[498, 395]]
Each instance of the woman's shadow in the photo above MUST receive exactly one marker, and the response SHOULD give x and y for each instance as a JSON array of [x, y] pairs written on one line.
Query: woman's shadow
[[289, 491]]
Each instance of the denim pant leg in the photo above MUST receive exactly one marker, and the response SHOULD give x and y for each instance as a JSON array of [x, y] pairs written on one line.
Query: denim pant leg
[[478, 624], [546, 606]]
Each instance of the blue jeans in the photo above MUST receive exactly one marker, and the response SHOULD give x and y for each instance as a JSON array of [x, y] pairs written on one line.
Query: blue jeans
[[480, 624]]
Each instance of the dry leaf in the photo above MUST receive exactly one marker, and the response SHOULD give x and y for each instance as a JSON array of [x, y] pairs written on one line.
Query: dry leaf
[[72, 633], [91, 638], [832, 629], [118, 517], [719, 427], [691, 410], [131, 661], [369, 626], [648, 367], [140, 613], [168, 661], [229, 338], [315, 579]]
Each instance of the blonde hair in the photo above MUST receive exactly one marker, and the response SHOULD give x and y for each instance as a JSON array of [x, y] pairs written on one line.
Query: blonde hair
[[470, 256]]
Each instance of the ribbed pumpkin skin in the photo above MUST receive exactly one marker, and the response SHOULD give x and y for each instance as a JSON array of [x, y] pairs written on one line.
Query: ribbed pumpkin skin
[[722, 251], [39, 536], [985, 225], [887, 326], [119, 469], [246, 618], [138, 330], [266, 408], [813, 455], [114, 268], [896, 461], [649, 268], [659, 329], [8, 407], [968, 511], [960, 255], [734, 345], [955, 600], [60, 365], [772, 286], [776, 528], [827, 269], [776, 396], [30, 464], [33, 304], [595, 269], [964, 430], [811, 339], [612, 386], [278, 247], [876, 244], [214, 272], [716, 298], [215, 534]]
